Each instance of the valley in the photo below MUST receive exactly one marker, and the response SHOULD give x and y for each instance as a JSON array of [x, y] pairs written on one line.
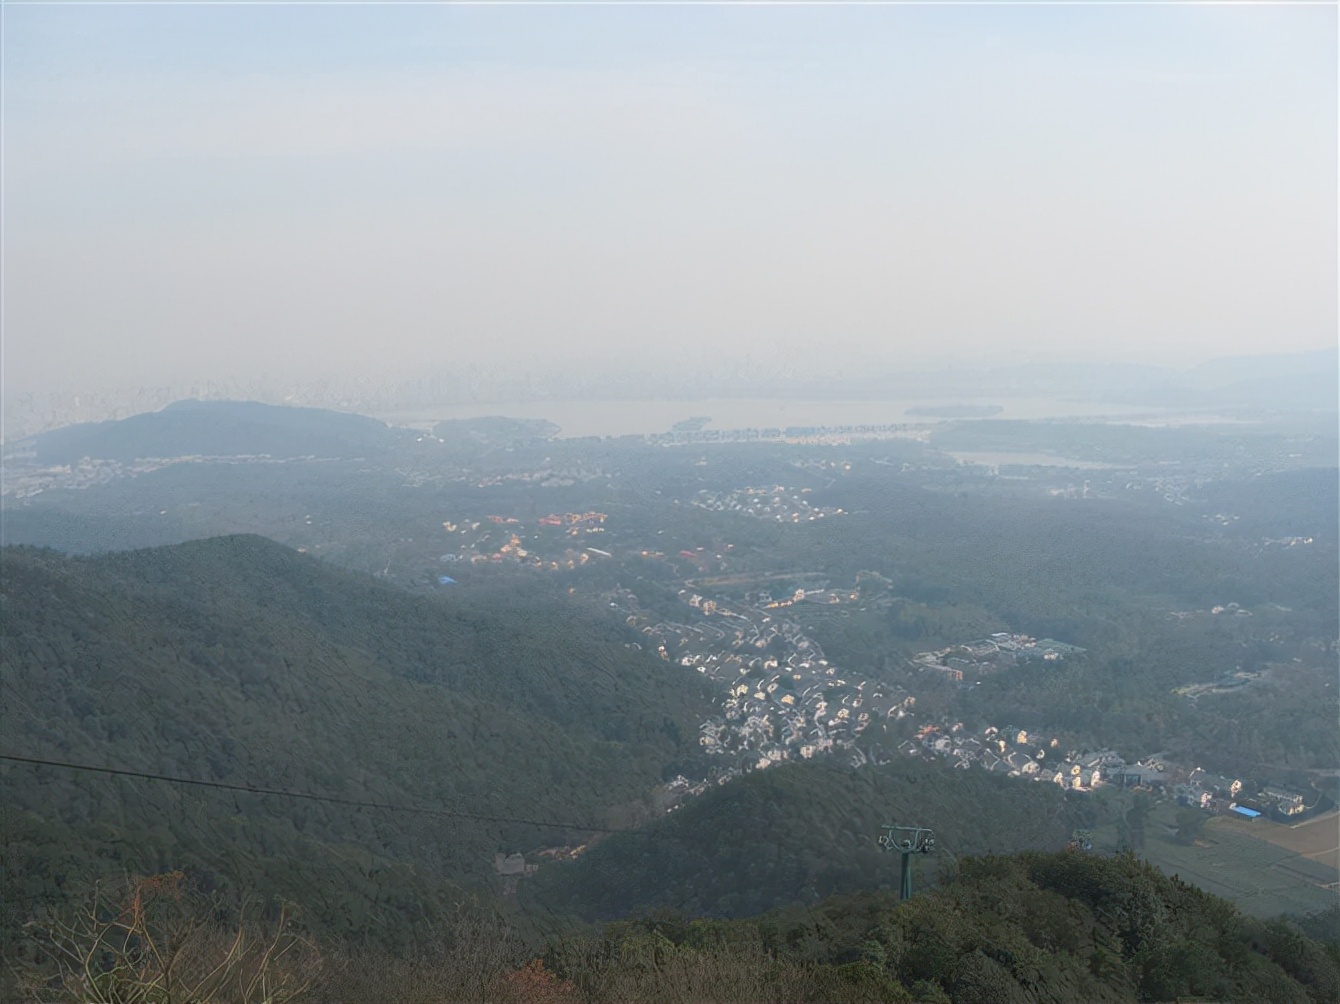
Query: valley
[[586, 655]]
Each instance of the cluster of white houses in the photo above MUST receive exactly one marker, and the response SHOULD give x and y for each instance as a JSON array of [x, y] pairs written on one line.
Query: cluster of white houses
[[1215, 791], [968, 662], [1036, 757], [1030, 755]]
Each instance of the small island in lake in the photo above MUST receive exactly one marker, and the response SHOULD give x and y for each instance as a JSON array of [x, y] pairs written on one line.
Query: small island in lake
[[694, 424], [955, 410]]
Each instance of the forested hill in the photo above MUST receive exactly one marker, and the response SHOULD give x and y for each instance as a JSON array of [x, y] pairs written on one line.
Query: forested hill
[[1016, 929], [238, 660], [218, 428], [801, 832]]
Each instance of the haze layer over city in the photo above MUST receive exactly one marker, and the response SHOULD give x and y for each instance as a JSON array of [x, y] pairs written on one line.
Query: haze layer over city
[[669, 502]]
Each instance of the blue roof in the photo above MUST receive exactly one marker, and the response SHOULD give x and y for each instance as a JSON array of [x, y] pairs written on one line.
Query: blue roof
[[1244, 811]]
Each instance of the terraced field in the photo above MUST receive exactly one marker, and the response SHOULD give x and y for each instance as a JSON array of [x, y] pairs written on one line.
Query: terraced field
[[1262, 876], [1317, 839]]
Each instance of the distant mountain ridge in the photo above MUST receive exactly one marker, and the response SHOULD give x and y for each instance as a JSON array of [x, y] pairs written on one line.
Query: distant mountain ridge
[[1295, 381], [217, 428]]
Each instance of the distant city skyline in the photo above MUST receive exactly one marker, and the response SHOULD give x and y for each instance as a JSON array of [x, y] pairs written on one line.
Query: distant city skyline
[[294, 194]]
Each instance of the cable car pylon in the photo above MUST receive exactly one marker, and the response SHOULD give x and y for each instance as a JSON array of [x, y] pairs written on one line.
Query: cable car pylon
[[907, 840]]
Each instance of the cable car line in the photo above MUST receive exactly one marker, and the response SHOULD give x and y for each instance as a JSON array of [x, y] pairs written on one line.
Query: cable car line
[[312, 796]]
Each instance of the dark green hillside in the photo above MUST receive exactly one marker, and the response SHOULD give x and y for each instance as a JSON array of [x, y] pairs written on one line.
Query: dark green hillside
[[238, 660], [1034, 928], [1025, 929], [512, 642], [218, 428], [798, 833]]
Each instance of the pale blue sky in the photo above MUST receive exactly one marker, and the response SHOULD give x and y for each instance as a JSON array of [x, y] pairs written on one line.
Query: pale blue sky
[[195, 192]]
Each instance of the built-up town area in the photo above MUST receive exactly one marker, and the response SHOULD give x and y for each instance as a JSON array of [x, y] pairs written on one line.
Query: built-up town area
[[781, 698]]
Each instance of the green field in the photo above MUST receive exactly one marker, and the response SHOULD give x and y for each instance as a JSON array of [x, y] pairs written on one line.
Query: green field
[[1262, 878]]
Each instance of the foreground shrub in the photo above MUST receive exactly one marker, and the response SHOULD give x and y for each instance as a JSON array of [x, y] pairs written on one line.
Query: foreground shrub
[[160, 943]]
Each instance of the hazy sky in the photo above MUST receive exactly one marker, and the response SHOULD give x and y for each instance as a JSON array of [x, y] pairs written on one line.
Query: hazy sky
[[195, 192]]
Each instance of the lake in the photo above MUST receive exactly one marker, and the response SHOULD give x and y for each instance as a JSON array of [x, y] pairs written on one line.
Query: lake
[[640, 418]]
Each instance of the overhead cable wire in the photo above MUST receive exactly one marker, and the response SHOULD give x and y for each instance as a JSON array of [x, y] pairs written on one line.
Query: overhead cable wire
[[312, 796]]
